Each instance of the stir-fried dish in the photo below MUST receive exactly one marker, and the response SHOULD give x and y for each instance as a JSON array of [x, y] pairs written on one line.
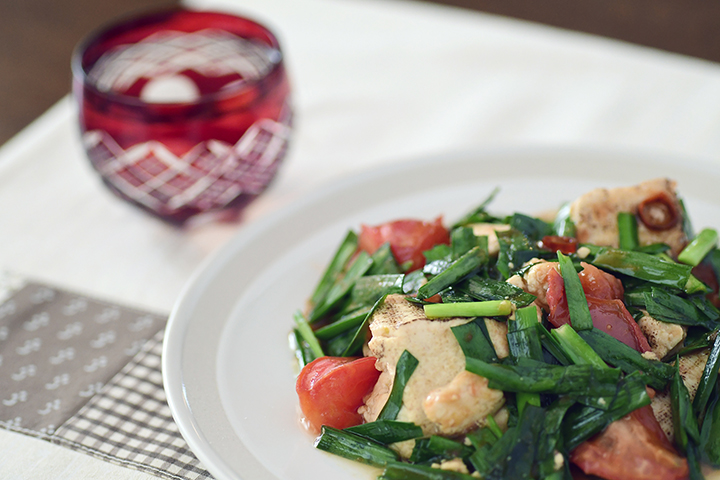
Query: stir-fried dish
[[517, 347]]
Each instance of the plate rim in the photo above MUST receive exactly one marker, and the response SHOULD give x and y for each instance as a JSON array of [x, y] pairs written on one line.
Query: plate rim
[[194, 289]]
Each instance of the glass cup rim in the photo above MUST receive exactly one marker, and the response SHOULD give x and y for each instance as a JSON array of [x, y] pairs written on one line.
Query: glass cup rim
[[80, 74]]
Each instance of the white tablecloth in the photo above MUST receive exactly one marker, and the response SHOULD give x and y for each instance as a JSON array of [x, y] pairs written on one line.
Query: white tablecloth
[[374, 81]]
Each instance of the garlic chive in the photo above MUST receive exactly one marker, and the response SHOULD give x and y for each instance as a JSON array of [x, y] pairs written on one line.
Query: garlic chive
[[577, 303], [490, 308], [700, 246]]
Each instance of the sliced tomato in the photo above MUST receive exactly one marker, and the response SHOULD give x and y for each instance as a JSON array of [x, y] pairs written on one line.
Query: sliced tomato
[[599, 284], [706, 274], [608, 312], [331, 389], [630, 449], [557, 243], [646, 416], [408, 239]]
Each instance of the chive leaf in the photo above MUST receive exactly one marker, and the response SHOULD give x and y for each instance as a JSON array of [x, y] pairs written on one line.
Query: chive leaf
[[387, 431], [684, 421], [699, 247], [627, 231], [307, 334], [613, 351], [436, 448], [644, 266], [409, 471], [708, 380], [581, 424], [577, 303], [358, 268], [354, 447], [489, 289], [342, 256], [563, 225], [464, 266], [576, 348], [490, 308], [343, 324], [545, 378], [361, 333], [473, 341], [404, 369]]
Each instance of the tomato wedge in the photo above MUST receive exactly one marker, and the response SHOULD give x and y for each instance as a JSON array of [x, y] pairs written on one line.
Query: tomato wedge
[[609, 314], [331, 389], [632, 448], [557, 243], [408, 239], [706, 274]]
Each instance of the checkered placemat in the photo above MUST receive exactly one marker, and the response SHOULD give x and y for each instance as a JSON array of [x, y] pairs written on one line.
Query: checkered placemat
[[85, 374]]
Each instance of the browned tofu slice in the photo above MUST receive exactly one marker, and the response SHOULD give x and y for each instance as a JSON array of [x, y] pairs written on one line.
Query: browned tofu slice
[[595, 214], [441, 397]]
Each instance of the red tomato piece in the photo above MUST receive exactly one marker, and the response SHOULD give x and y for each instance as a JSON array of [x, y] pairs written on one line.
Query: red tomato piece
[[408, 239], [331, 389], [646, 416], [599, 284], [608, 312], [630, 450], [555, 243], [706, 274]]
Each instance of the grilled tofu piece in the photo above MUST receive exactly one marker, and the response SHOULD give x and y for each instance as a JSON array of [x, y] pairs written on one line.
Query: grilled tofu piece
[[663, 337], [498, 336], [595, 214], [488, 230], [535, 280], [691, 369], [441, 397]]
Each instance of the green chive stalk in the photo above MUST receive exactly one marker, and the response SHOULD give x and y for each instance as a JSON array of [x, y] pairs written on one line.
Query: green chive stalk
[[343, 324], [490, 308], [307, 334], [436, 448], [354, 447], [408, 471], [644, 266], [524, 342], [387, 431], [708, 380], [577, 303], [461, 268], [406, 365], [627, 231], [474, 342], [613, 351], [545, 378], [576, 348], [337, 291], [341, 258], [700, 246]]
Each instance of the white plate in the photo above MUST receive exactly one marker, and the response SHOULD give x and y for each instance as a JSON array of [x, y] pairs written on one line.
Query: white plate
[[228, 372]]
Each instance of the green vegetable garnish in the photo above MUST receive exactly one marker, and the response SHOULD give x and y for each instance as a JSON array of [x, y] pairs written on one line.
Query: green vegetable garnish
[[403, 371], [627, 231], [354, 447], [491, 308], [577, 303], [700, 246]]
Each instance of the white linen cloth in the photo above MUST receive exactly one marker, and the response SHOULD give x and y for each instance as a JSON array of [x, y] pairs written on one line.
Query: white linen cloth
[[374, 81]]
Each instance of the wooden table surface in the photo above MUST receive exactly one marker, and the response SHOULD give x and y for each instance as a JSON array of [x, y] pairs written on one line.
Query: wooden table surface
[[37, 37]]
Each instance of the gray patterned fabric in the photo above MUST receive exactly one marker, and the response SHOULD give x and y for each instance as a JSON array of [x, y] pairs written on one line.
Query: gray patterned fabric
[[129, 422], [85, 374]]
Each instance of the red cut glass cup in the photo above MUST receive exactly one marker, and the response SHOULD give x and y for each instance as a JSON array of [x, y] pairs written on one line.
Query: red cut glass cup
[[183, 112]]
